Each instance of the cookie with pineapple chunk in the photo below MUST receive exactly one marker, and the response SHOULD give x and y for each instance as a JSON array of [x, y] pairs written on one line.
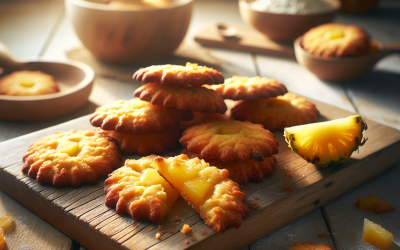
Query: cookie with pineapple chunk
[[200, 117], [136, 116], [208, 190], [198, 99], [177, 75], [137, 189], [336, 40], [28, 83], [242, 172], [276, 113], [249, 88], [229, 140], [153, 142], [71, 158]]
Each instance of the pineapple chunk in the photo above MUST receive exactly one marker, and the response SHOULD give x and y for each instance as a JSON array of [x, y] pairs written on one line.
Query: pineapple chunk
[[333, 34], [152, 177], [197, 191], [6, 221], [69, 147], [27, 84], [374, 204], [329, 142], [181, 173], [376, 235]]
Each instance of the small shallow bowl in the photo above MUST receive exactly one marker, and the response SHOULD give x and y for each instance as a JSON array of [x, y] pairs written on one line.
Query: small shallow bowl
[[342, 69], [75, 81], [285, 27], [128, 35]]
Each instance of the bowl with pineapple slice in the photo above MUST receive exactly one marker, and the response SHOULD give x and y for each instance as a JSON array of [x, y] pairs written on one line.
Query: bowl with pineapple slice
[[330, 142]]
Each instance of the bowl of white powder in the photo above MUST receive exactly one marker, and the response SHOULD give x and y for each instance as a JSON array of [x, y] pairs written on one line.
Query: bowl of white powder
[[285, 20]]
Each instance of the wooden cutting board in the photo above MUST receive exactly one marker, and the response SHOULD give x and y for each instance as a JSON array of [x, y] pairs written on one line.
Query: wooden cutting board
[[247, 39], [81, 213]]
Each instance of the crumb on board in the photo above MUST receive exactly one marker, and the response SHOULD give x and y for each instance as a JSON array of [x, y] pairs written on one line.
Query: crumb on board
[[152, 228], [185, 229], [204, 233], [255, 198], [172, 231], [187, 242], [288, 175], [193, 239], [288, 188], [176, 218], [160, 228], [322, 235], [253, 205], [158, 235], [247, 187]]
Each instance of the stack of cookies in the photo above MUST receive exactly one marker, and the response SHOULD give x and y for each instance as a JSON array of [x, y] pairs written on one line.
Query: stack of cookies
[[150, 124], [266, 101]]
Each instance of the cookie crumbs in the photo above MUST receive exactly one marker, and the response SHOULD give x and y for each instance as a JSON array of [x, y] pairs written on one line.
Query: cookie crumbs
[[160, 228], [172, 231], [255, 198], [176, 218], [254, 206], [193, 239], [204, 233], [187, 242], [166, 157], [247, 187], [158, 235], [185, 229], [152, 228], [288, 175], [322, 235], [288, 188]]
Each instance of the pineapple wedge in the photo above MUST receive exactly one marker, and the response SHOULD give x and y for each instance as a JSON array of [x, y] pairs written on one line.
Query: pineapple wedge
[[376, 235], [326, 143]]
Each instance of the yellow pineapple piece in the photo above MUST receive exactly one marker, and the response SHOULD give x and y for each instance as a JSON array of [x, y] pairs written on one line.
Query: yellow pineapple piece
[[329, 142], [374, 204], [333, 34], [27, 84], [208, 190], [376, 235], [152, 177], [6, 221], [197, 190], [69, 147]]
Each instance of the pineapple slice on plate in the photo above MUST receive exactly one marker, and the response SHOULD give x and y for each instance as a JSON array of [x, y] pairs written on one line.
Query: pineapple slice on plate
[[208, 190], [376, 235], [329, 142]]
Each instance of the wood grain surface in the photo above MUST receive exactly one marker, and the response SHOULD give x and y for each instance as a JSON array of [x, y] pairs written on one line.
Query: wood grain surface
[[81, 213]]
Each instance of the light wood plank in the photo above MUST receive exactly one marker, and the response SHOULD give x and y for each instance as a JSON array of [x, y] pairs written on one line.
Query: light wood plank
[[346, 219]]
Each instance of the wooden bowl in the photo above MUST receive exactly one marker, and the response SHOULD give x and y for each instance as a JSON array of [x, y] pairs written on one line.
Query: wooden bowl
[[285, 27], [75, 81], [125, 36]]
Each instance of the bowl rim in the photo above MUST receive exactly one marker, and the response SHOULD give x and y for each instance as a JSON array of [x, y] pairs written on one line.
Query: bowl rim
[[298, 47], [87, 80], [336, 4], [105, 7]]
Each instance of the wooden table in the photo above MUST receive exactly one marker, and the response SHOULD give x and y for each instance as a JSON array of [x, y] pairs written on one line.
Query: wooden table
[[40, 28]]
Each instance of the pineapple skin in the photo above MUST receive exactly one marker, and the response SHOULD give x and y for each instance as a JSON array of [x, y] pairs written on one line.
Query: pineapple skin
[[358, 125]]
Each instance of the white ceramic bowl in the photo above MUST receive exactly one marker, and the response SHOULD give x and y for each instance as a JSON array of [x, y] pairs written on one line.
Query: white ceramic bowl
[[129, 35], [285, 27]]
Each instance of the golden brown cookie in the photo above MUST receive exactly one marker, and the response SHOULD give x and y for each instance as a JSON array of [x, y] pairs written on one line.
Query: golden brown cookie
[[336, 40], [228, 140], [189, 75], [27, 83], [198, 99], [200, 117], [249, 88], [136, 116], [71, 158], [208, 190], [153, 142], [276, 113], [138, 190], [242, 172]]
